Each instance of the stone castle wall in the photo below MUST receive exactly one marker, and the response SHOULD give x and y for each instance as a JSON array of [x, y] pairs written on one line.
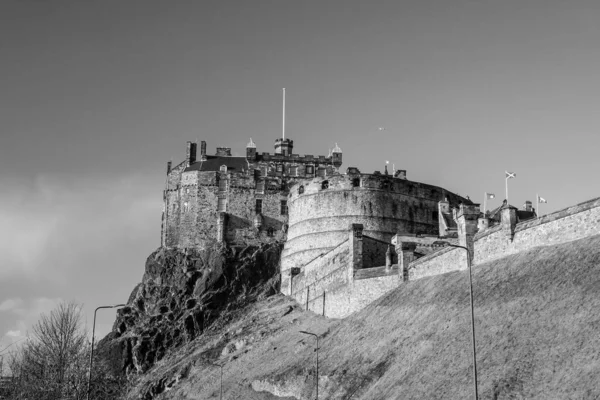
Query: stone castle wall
[[446, 260], [192, 209], [576, 222], [322, 209], [571, 223]]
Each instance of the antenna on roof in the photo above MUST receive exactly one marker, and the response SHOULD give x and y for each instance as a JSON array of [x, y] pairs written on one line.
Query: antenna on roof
[[283, 128]]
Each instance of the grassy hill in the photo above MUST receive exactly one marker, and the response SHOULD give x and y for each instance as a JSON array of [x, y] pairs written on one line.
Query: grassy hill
[[538, 337]]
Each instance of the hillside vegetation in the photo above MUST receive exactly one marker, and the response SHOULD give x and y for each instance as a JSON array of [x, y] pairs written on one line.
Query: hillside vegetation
[[538, 337]]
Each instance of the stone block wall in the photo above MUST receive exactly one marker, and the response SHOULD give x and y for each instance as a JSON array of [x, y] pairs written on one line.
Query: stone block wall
[[191, 211], [321, 209], [323, 273], [445, 260], [345, 300], [576, 222]]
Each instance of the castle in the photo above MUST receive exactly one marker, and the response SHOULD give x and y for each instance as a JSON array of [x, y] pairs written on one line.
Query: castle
[[348, 237]]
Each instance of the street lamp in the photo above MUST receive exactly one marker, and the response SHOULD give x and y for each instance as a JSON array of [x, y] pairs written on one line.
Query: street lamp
[[444, 243], [317, 337], [221, 367], [92, 350]]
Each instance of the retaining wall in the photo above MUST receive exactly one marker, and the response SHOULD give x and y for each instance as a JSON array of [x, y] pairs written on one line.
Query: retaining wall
[[576, 222]]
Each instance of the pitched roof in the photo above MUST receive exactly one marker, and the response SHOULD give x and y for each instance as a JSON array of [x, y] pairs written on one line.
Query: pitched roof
[[213, 163], [522, 215]]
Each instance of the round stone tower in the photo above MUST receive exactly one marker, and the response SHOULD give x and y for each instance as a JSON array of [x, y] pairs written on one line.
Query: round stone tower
[[321, 211]]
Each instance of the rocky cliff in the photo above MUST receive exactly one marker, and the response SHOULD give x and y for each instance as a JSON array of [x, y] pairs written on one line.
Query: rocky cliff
[[182, 294]]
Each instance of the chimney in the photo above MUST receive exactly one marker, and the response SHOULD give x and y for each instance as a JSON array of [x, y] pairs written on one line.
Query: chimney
[[223, 151], [203, 151], [527, 206], [169, 167], [191, 153]]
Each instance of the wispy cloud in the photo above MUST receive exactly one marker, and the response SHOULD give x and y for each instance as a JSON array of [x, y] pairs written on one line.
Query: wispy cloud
[[51, 221], [70, 238]]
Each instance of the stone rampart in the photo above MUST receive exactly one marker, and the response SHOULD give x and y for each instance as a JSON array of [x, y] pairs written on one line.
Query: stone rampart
[[322, 273], [440, 262], [562, 226], [321, 209], [345, 300]]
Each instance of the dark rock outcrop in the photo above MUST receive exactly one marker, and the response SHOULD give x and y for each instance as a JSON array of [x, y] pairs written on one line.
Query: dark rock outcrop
[[183, 292]]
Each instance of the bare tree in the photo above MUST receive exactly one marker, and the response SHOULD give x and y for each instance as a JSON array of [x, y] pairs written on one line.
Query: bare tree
[[53, 364]]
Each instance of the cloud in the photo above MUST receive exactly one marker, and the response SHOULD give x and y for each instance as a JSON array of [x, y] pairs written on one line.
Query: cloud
[[19, 315], [73, 237], [10, 304], [53, 220]]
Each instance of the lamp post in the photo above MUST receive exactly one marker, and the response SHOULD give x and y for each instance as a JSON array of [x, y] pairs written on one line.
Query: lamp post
[[92, 350], [444, 243], [317, 337], [221, 371]]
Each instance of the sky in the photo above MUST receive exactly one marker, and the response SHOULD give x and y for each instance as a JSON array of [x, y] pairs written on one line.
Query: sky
[[97, 96]]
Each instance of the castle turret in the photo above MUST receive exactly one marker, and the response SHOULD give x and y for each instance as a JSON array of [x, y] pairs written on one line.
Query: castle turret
[[336, 156], [251, 151], [284, 146], [223, 151]]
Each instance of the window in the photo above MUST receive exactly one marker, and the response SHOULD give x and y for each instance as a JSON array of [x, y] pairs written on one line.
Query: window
[[301, 189], [310, 170], [222, 205], [258, 207], [279, 167], [187, 190], [270, 231], [325, 185], [356, 182], [260, 187], [284, 207], [186, 206]]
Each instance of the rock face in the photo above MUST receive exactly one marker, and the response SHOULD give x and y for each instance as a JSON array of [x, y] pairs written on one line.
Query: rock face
[[183, 292]]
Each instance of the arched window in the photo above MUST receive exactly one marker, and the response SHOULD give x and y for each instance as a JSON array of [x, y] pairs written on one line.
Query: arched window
[[301, 189], [325, 185]]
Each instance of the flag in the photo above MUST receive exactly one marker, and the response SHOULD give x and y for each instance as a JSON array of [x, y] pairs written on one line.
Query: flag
[[510, 175], [542, 200], [490, 195]]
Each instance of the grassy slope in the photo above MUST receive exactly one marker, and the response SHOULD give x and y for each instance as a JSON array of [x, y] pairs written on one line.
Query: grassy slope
[[538, 336]]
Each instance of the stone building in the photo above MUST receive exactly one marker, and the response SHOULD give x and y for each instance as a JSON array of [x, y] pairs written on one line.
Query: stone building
[[222, 197], [304, 201]]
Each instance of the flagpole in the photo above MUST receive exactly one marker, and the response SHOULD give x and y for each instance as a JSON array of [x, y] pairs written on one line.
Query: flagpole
[[537, 204], [507, 190], [283, 128], [484, 201]]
